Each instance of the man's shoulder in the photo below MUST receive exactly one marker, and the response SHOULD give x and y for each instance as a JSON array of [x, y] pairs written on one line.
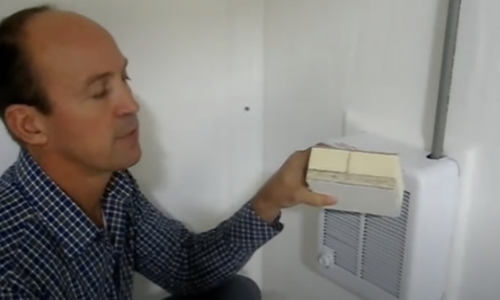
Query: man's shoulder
[[13, 206], [14, 212]]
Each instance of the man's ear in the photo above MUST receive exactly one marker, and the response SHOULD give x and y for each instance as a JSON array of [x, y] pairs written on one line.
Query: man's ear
[[26, 124]]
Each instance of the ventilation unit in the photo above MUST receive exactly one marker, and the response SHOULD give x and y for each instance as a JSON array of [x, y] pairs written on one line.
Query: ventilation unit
[[394, 258]]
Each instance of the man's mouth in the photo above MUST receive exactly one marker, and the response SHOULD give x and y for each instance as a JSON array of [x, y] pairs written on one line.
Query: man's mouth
[[130, 134]]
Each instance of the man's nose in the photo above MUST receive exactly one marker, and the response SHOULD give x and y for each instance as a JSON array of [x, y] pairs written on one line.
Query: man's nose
[[128, 104]]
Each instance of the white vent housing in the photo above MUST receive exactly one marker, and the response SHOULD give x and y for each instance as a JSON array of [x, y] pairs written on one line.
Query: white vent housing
[[402, 258]]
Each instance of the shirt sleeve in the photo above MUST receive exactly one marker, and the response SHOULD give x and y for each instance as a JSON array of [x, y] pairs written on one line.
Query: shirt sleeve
[[182, 262], [14, 290]]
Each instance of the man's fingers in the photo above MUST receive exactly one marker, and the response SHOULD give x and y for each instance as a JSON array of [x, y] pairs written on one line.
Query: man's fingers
[[297, 163], [307, 197], [301, 158], [323, 145]]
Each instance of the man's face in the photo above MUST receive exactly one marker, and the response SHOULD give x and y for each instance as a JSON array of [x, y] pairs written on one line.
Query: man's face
[[83, 73]]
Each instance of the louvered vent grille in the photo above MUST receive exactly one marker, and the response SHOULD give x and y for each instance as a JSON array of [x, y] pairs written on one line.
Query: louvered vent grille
[[383, 250], [341, 234]]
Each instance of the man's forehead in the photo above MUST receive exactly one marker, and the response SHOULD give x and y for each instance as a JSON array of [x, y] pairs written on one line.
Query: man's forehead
[[66, 41], [63, 24]]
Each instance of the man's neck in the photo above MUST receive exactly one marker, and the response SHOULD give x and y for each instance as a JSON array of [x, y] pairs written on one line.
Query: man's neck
[[84, 187]]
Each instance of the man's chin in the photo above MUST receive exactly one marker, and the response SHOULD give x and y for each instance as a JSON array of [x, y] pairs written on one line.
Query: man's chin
[[130, 159], [136, 157]]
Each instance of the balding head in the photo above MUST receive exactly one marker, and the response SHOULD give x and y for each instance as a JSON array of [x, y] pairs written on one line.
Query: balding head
[[55, 38], [78, 106]]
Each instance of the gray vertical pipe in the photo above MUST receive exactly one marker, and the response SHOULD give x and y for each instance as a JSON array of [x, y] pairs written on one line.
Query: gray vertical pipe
[[450, 42]]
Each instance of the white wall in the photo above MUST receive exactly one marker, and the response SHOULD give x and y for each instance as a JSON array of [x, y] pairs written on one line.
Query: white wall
[[195, 66], [380, 61]]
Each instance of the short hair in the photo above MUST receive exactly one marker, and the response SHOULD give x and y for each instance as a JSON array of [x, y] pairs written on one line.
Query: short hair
[[18, 82]]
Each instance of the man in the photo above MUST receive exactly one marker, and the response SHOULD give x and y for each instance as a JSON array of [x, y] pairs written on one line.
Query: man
[[73, 222]]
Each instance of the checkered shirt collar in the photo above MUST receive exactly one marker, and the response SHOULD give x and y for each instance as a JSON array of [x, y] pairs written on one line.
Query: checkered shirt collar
[[69, 224]]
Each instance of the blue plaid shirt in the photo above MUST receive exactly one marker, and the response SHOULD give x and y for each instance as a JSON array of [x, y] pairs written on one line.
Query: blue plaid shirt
[[49, 249]]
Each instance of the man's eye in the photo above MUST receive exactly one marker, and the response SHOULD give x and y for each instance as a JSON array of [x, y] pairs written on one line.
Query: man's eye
[[101, 95]]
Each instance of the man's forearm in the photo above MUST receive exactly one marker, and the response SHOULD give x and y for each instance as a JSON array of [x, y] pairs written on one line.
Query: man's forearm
[[196, 262]]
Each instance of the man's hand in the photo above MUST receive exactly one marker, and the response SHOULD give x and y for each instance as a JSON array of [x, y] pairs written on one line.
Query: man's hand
[[287, 188]]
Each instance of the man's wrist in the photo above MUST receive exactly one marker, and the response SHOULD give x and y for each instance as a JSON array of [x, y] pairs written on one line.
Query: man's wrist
[[265, 209]]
